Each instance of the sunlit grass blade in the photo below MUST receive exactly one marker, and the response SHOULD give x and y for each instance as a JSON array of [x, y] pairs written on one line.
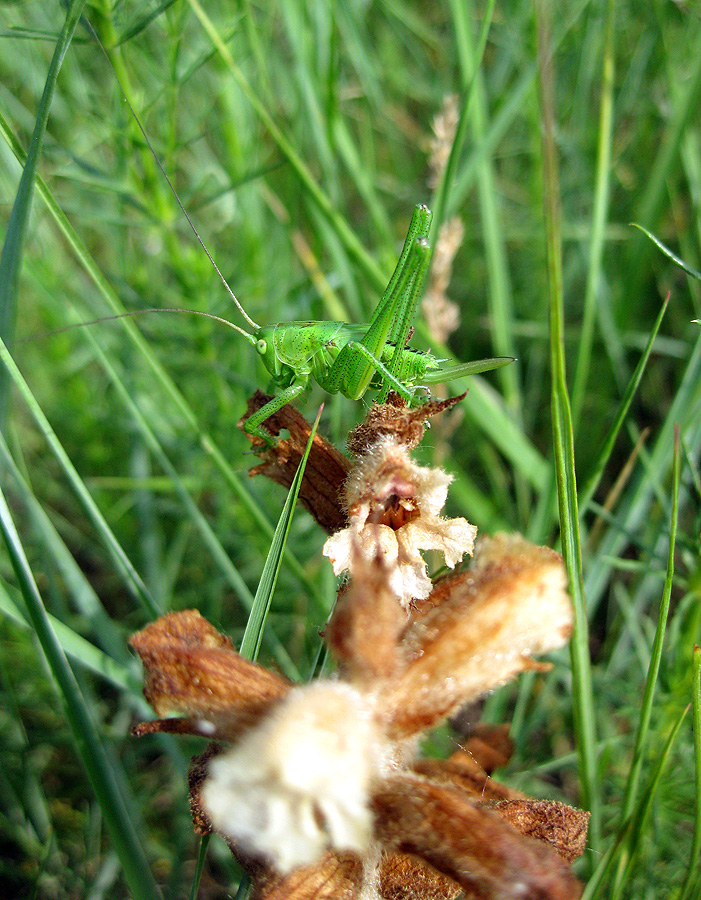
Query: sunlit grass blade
[[634, 773], [162, 378], [632, 830], [563, 437], [589, 489], [668, 253], [641, 814], [253, 634], [131, 577], [13, 247], [599, 213], [100, 773], [77, 648], [82, 592]]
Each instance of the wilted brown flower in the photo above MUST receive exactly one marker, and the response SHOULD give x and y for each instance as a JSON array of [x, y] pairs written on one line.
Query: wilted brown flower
[[394, 509], [321, 794]]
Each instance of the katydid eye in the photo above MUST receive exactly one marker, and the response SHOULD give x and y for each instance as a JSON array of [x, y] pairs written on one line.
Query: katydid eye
[[261, 346]]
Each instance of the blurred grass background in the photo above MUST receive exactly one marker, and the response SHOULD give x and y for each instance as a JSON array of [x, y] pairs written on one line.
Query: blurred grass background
[[299, 138]]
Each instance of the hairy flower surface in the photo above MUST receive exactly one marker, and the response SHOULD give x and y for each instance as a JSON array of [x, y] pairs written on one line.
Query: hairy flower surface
[[298, 784], [321, 794], [394, 507]]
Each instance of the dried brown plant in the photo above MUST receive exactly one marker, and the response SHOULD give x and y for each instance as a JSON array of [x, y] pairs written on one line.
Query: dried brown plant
[[321, 792]]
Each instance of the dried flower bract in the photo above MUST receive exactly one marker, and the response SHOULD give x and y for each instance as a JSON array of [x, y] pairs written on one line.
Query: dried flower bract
[[394, 508]]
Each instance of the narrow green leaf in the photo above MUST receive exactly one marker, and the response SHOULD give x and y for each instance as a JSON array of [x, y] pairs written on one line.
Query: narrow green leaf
[[694, 869], [668, 253], [607, 444], [131, 577], [11, 257], [634, 773], [563, 436], [252, 636], [102, 777]]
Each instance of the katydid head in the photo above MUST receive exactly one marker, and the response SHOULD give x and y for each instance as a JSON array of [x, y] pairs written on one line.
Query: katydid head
[[265, 347]]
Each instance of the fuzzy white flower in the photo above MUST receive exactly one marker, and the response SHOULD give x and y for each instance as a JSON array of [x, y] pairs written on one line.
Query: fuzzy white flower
[[298, 784], [394, 506]]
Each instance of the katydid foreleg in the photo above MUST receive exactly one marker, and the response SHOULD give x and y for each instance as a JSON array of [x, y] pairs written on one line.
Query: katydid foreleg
[[253, 424]]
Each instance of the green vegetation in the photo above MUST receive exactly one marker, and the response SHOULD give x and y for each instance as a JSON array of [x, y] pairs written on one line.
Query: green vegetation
[[298, 137]]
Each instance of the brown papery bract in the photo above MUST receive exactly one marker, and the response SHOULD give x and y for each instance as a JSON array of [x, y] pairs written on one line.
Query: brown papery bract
[[190, 669], [510, 605]]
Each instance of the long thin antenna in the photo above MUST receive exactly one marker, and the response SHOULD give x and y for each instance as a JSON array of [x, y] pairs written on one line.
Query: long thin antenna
[[170, 183], [140, 312]]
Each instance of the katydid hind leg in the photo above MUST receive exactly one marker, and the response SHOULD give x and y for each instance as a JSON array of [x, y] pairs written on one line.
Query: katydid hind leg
[[444, 374], [354, 371], [407, 308], [374, 363]]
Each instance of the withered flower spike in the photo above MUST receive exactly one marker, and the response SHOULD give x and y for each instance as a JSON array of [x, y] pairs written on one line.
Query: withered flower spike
[[319, 794], [404, 424], [336, 876], [394, 505], [364, 630], [561, 826]]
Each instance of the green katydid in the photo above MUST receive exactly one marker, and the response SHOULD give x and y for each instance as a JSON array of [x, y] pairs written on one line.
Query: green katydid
[[340, 357], [344, 358], [352, 358]]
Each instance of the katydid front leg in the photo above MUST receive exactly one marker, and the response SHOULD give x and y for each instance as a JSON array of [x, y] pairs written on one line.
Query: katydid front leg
[[253, 424]]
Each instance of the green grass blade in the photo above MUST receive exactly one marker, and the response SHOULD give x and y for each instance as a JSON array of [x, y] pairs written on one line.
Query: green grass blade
[[602, 190], [634, 774], [253, 634], [77, 648], [642, 812], [13, 247], [694, 869], [589, 489], [563, 438], [84, 596], [633, 827], [470, 62], [100, 773], [356, 250], [668, 253], [162, 378], [131, 577]]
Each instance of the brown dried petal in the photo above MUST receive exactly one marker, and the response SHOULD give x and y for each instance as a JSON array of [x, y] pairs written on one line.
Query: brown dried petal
[[474, 846], [465, 774], [562, 826], [512, 604], [403, 877], [336, 876], [366, 623], [190, 668]]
